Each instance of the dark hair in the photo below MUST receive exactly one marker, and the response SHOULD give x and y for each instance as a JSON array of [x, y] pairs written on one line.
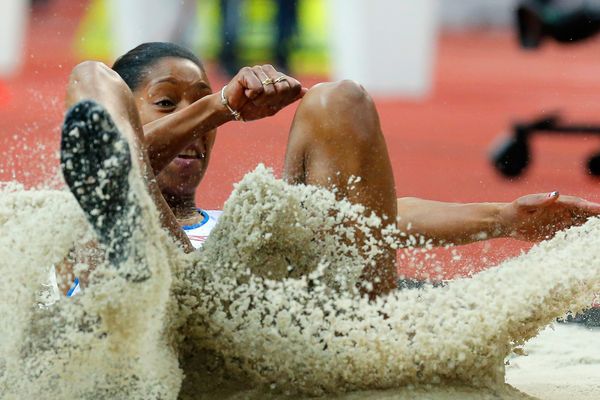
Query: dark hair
[[132, 65]]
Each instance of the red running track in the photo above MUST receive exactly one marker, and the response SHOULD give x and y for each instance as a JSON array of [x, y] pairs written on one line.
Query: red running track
[[438, 146]]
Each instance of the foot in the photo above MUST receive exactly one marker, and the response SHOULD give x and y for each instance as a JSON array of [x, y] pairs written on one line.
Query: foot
[[96, 160]]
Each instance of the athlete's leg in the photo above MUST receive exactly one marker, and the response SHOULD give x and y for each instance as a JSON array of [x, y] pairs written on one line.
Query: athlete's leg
[[335, 135], [96, 82]]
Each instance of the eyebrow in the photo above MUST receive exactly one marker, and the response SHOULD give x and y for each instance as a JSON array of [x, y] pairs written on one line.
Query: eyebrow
[[169, 79]]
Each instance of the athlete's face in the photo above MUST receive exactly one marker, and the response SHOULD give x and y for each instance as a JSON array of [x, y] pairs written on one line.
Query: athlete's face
[[170, 85]]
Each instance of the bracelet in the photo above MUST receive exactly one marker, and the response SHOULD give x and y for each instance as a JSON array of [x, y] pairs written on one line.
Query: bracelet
[[225, 102]]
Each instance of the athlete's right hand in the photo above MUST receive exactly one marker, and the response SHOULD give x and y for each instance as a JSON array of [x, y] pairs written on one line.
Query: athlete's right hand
[[536, 217], [262, 91]]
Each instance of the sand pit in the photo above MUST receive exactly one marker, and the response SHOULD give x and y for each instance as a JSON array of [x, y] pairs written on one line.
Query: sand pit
[[562, 362], [219, 324]]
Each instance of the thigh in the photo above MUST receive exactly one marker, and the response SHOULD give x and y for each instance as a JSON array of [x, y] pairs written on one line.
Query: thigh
[[95, 81], [336, 135]]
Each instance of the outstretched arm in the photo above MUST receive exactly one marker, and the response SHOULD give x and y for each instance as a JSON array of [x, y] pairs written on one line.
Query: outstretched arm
[[533, 218], [168, 136], [449, 223]]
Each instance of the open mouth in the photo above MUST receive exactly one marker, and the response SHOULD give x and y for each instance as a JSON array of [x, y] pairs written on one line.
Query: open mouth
[[191, 155]]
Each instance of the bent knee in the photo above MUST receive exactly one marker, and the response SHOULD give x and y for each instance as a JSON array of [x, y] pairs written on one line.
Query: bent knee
[[336, 95], [93, 71], [339, 111], [94, 80], [345, 88]]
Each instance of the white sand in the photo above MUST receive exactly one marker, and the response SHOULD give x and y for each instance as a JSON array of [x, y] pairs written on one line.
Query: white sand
[[237, 335], [563, 362]]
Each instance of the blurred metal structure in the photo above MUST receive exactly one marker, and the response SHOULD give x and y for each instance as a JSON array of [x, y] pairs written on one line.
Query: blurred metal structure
[[512, 156], [565, 21]]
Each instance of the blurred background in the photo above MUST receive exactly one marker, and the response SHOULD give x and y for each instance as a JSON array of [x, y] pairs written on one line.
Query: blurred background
[[450, 80]]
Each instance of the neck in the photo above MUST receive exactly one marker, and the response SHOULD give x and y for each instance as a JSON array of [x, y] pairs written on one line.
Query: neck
[[184, 207]]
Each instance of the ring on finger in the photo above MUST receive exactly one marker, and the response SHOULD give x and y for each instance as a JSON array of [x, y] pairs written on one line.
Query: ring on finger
[[279, 79], [267, 81]]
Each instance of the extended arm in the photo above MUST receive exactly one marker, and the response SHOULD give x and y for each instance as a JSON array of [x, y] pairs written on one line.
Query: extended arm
[[450, 223], [533, 218]]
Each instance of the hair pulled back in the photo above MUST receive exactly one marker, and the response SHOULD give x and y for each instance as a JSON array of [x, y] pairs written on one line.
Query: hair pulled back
[[133, 65]]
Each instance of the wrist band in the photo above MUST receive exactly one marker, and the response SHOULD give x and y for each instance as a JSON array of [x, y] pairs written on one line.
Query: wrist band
[[224, 101]]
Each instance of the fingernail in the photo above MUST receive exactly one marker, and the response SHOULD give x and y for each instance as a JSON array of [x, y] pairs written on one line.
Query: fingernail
[[553, 194]]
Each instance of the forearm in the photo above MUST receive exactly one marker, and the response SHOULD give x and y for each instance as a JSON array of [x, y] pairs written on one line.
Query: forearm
[[450, 223], [168, 136]]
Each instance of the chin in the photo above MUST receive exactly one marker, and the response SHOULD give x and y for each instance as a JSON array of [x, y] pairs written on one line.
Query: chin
[[178, 189], [179, 183], [177, 192]]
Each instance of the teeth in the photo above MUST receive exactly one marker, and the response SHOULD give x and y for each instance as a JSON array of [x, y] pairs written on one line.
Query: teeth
[[189, 153], [192, 153]]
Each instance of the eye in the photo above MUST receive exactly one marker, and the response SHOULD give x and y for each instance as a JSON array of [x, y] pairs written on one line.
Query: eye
[[165, 103]]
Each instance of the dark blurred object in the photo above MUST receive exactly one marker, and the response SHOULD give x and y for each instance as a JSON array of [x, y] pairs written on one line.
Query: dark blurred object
[[589, 318], [594, 165], [565, 21], [230, 22], [414, 283], [512, 156], [287, 24], [286, 21], [40, 5]]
